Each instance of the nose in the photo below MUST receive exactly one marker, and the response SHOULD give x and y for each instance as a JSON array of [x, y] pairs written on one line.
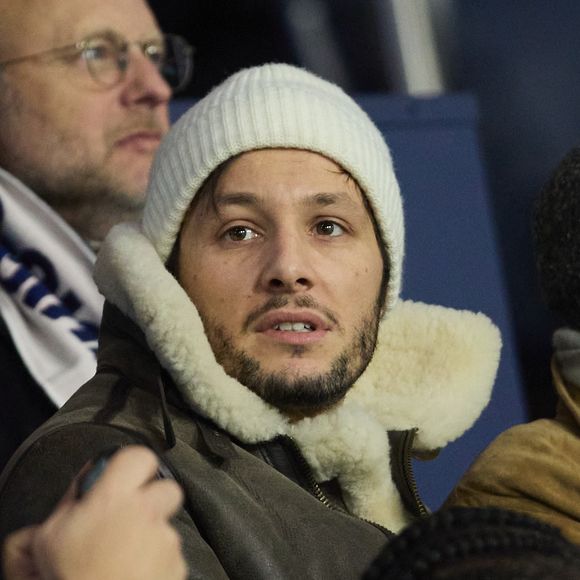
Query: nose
[[144, 84], [287, 265]]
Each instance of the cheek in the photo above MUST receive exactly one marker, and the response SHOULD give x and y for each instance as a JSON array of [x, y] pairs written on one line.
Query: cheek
[[366, 278], [232, 287], [215, 286], [53, 107], [69, 131], [79, 116], [364, 267]]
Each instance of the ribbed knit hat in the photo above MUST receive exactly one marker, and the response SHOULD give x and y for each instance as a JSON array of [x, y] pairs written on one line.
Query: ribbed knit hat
[[477, 543], [273, 106]]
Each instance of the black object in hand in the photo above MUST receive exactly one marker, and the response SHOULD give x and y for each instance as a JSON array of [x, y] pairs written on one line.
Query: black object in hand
[[100, 464]]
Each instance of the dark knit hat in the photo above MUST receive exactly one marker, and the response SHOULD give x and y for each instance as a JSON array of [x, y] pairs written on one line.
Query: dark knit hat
[[477, 544], [556, 229]]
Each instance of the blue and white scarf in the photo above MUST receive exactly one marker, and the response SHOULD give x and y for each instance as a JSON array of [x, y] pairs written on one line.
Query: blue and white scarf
[[48, 299]]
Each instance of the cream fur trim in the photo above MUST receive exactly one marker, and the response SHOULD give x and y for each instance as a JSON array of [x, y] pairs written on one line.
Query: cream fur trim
[[131, 276], [433, 370], [349, 444]]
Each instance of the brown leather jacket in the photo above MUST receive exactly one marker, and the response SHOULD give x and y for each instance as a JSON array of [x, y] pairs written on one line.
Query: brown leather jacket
[[533, 468], [251, 511]]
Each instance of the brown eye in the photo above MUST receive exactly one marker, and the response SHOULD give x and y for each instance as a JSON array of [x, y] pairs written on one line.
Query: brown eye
[[240, 234], [329, 228]]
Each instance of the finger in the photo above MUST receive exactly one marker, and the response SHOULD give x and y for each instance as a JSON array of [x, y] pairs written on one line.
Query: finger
[[163, 498], [17, 556], [127, 470], [178, 566]]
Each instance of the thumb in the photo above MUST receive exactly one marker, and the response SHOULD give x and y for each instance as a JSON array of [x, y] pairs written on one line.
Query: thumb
[[17, 558]]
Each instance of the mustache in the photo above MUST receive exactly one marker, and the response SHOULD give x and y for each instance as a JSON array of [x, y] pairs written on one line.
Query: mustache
[[277, 302]]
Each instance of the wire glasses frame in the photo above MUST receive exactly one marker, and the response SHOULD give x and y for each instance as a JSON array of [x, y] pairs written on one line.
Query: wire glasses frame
[[107, 57]]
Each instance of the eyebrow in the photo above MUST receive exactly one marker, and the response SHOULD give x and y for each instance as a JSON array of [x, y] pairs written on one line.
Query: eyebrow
[[326, 199], [154, 36], [321, 199], [99, 32], [245, 199]]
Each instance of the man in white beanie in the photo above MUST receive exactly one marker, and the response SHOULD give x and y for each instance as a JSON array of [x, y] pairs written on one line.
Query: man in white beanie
[[253, 337]]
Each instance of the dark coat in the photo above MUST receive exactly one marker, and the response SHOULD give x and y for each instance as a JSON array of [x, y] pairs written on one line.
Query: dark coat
[[251, 511], [23, 404]]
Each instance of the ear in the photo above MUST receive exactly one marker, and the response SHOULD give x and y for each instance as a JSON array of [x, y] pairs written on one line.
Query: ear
[[172, 263]]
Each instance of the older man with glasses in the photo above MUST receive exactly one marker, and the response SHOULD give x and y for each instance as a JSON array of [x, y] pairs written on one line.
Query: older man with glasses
[[84, 91]]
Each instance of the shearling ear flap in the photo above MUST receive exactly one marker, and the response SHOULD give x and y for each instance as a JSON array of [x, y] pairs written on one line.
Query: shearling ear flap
[[433, 369], [131, 276]]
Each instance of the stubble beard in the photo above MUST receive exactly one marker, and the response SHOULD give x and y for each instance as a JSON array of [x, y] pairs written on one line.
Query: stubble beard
[[299, 395], [88, 195], [89, 199]]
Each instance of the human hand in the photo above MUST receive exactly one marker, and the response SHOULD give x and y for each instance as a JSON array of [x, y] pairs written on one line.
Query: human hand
[[17, 558], [119, 529]]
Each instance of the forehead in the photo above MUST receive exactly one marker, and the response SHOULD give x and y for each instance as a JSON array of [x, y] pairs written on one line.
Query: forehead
[[287, 175], [29, 26]]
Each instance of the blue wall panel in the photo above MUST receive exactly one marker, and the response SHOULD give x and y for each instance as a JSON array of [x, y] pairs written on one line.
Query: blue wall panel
[[452, 256]]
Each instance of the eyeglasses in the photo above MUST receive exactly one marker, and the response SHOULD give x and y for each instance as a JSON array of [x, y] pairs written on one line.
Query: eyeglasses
[[107, 57]]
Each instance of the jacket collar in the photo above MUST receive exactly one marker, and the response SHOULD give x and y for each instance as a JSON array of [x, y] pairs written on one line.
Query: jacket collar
[[432, 371]]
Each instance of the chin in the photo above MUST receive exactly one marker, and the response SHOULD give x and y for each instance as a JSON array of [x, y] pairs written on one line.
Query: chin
[[298, 369], [133, 170], [133, 186]]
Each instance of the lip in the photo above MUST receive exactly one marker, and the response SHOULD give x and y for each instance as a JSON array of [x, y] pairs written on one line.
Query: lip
[[268, 321], [141, 141], [265, 326]]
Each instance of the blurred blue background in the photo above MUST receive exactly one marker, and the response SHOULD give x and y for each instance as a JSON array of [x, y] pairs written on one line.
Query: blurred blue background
[[478, 100]]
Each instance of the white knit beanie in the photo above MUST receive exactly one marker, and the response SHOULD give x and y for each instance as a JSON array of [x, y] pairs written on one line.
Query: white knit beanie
[[273, 106]]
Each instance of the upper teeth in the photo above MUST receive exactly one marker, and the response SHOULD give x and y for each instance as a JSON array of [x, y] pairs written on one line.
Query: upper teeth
[[294, 326]]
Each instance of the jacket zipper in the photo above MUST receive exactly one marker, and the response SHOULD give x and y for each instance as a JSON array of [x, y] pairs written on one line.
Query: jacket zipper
[[408, 439], [315, 488], [319, 494]]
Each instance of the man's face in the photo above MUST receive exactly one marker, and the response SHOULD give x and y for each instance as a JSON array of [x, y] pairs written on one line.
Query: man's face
[[85, 148], [285, 270]]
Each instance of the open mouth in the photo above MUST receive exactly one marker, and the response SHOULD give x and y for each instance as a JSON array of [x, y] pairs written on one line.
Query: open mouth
[[295, 327]]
